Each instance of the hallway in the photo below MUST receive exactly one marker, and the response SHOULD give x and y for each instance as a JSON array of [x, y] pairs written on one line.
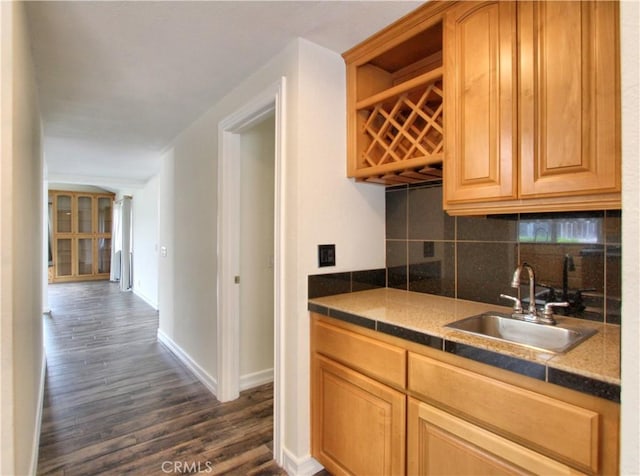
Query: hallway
[[116, 401]]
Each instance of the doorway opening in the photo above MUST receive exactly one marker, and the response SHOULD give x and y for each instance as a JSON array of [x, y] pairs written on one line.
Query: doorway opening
[[264, 112], [257, 164]]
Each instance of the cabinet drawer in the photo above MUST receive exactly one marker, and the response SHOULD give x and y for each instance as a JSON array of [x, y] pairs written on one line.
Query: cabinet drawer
[[379, 360], [556, 428], [440, 443]]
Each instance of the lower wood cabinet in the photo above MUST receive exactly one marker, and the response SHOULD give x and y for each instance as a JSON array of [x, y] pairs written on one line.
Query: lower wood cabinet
[[358, 423], [381, 405], [441, 444], [562, 430]]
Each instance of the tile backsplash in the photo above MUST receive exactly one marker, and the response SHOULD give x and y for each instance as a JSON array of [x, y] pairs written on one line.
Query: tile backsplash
[[320, 285], [576, 255]]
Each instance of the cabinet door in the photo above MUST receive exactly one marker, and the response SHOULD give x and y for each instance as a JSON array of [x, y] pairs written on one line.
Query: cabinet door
[[480, 102], [104, 255], [84, 256], [63, 255], [358, 423], [569, 96], [84, 214], [440, 443], [63, 214], [105, 205]]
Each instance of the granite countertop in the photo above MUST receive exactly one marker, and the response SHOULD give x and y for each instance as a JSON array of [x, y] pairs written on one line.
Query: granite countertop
[[592, 367]]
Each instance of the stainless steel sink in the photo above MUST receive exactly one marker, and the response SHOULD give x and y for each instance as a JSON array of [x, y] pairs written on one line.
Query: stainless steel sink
[[500, 326]]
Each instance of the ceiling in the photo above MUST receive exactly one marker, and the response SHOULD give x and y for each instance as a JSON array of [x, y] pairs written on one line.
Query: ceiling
[[118, 81]]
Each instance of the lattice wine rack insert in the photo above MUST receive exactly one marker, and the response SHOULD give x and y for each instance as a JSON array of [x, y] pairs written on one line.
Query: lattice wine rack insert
[[403, 132]]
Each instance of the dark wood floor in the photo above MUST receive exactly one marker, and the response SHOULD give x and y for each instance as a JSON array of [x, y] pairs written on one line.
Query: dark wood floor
[[117, 402]]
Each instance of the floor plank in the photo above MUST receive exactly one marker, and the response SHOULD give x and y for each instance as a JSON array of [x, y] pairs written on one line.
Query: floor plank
[[118, 402]]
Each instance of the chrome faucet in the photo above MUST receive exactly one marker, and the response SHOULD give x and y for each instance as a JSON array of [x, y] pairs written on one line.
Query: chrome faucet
[[532, 314], [515, 283]]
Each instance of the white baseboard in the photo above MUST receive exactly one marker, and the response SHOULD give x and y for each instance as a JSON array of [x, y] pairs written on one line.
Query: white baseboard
[[36, 437], [256, 379], [202, 375], [145, 299], [306, 466]]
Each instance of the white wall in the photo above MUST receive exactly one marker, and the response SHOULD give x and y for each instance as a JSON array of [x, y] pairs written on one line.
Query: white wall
[[166, 227], [21, 260], [331, 209], [321, 206], [630, 397], [188, 204], [257, 155], [145, 204]]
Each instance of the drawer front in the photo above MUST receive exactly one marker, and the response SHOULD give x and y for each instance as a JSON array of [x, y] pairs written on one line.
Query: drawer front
[[382, 361], [556, 428], [440, 443]]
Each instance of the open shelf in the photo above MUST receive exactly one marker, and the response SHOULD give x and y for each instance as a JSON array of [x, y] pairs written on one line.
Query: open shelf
[[395, 106]]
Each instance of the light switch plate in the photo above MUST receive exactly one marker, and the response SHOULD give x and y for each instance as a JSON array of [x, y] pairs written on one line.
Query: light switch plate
[[326, 255]]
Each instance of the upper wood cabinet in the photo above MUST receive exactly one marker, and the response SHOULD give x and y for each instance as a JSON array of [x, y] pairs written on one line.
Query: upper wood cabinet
[[532, 106], [569, 98], [480, 120], [395, 101]]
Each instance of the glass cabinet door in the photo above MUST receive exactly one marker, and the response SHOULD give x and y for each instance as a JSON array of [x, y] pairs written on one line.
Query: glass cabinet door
[[85, 214], [104, 255], [63, 213], [85, 256], [63, 257], [104, 215]]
